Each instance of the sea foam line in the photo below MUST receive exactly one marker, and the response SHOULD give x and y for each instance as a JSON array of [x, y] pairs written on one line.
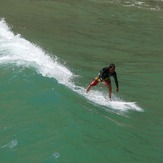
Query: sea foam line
[[16, 50], [11, 144]]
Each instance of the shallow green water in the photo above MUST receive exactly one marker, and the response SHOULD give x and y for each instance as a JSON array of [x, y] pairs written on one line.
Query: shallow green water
[[46, 116]]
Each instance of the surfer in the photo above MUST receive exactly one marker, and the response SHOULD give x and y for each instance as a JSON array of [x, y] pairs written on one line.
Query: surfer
[[104, 77]]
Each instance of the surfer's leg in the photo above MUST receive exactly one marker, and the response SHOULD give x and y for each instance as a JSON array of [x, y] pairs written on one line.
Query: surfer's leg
[[107, 83], [93, 83]]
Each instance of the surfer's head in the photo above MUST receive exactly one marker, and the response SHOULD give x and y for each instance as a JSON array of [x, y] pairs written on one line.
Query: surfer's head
[[112, 67]]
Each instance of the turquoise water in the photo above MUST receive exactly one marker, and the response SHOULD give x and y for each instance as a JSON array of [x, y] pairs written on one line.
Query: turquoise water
[[49, 53]]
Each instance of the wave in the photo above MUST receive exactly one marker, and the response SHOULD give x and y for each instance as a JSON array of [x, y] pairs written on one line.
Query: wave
[[11, 144], [151, 5], [155, 5], [16, 50]]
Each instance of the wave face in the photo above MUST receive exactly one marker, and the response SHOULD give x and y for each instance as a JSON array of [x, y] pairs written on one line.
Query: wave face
[[18, 51]]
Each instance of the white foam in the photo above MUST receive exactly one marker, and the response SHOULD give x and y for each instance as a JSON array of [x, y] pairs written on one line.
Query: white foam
[[101, 98], [11, 144], [16, 50], [142, 4]]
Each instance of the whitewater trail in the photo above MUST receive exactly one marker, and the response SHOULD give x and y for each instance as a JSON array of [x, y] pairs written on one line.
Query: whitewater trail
[[16, 50]]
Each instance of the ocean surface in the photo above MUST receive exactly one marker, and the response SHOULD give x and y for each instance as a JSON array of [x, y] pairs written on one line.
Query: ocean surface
[[50, 51]]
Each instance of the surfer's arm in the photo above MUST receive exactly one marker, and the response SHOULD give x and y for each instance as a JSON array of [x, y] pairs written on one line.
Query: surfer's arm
[[116, 81]]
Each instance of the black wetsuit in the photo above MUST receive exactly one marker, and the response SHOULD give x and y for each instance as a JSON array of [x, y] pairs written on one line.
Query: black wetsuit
[[105, 75]]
